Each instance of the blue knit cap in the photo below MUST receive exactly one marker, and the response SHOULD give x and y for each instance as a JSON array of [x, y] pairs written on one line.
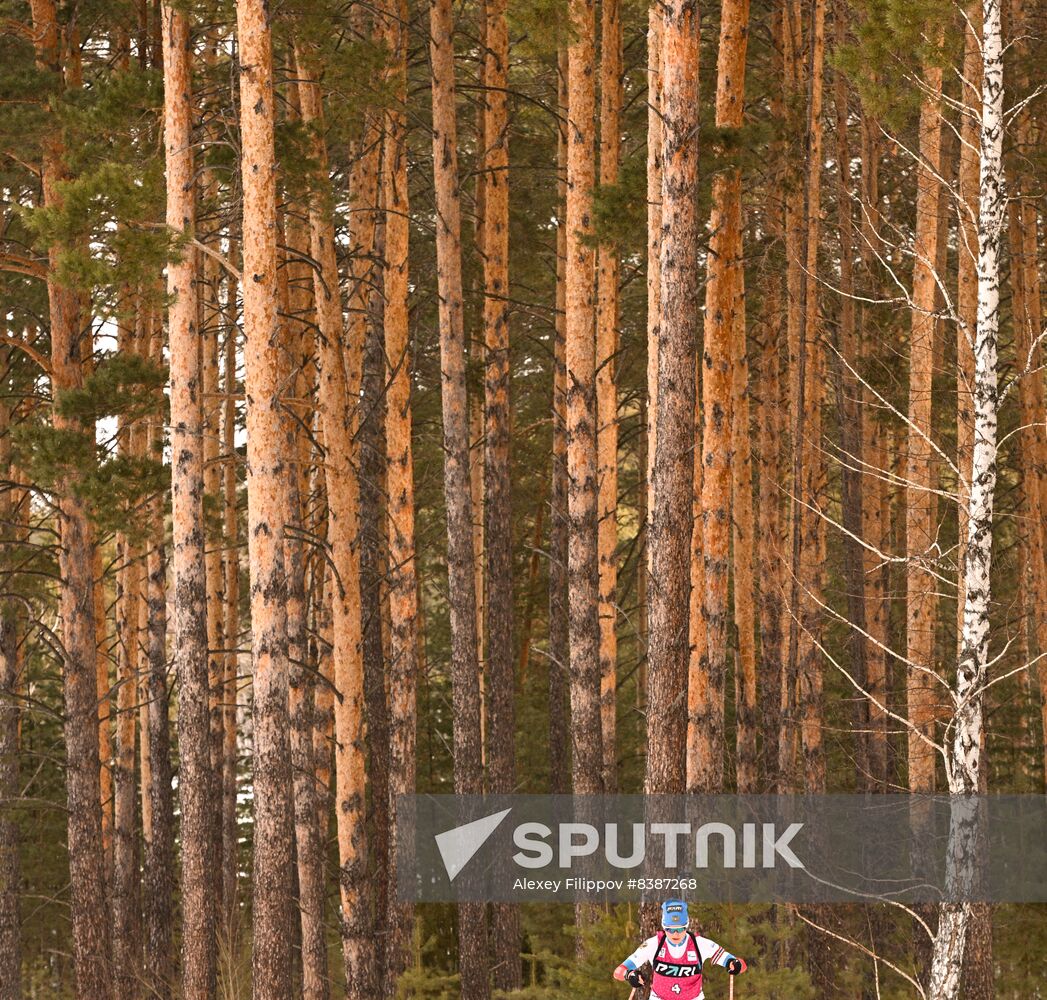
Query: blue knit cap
[[674, 914]]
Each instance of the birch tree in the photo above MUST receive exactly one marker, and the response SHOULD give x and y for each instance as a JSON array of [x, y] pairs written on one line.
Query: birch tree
[[964, 745]]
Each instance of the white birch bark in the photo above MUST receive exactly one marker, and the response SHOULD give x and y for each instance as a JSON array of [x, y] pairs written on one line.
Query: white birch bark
[[963, 756]]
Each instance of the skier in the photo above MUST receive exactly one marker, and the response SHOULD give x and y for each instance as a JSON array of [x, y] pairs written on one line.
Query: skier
[[676, 955]]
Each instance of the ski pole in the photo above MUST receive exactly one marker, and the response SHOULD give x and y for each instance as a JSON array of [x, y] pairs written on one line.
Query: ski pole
[[730, 988]]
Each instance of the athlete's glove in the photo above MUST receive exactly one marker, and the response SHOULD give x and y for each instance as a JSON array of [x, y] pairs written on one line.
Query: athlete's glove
[[736, 966], [634, 979]]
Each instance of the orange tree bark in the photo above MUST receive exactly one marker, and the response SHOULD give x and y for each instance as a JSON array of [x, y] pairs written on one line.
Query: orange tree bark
[[919, 529], [1025, 268], [195, 784], [772, 423], [654, 281], [338, 383], [607, 270], [266, 511], [371, 438], [105, 710], [90, 919], [559, 645], [127, 968], [154, 728], [812, 370], [673, 470], [403, 582], [364, 356], [498, 510], [231, 622], [792, 82], [580, 355], [310, 856], [468, 775], [725, 433]]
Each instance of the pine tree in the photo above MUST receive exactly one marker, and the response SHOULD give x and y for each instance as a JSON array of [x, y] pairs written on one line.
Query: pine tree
[[195, 783], [497, 508], [90, 921], [399, 469], [336, 386], [580, 405], [672, 482], [266, 511], [607, 275], [468, 741], [919, 529]]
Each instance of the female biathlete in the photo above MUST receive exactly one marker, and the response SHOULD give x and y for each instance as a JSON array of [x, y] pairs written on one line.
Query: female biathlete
[[677, 956]]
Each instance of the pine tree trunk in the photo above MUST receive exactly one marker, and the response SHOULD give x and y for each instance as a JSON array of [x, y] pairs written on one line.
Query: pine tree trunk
[[812, 369], [669, 531], [91, 938], [607, 270], [580, 397], [266, 511], [725, 434], [195, 783], [372, 571], [364, 340], [559, 644], [154, 728], [655, 141], [1028, 322], [339, 381], [231, 626], [400, 524], [792, 82], [210, 330], [919, 529], [105, 709], [309, 850], [964, 751], [468, 774], [127, 966], [10, 687], [498, 509], [771, 420]]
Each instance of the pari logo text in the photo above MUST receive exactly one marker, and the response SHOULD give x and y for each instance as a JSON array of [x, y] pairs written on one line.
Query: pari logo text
[[626, 846]]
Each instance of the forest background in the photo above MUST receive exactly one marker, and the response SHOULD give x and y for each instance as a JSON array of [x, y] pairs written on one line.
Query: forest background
[[540, 397]]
